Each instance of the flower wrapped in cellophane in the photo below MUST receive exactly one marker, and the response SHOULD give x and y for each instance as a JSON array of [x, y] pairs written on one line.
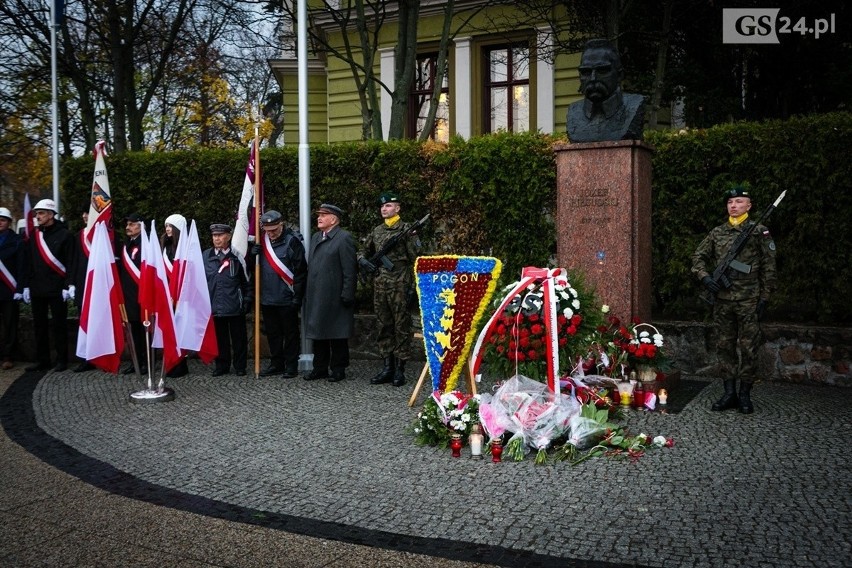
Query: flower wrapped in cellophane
[[531, 412]]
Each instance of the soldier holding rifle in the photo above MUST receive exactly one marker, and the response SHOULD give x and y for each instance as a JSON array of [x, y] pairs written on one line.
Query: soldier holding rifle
[[389, 254], [736, 265]]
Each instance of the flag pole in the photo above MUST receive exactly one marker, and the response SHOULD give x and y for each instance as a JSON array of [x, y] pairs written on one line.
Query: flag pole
[[54, 129], [258, 202]]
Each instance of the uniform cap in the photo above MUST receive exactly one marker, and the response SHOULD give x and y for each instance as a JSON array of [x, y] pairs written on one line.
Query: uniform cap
[[271, 217], [46, 205], [389, 197], [5, 213], [218, 228], [329, 208], [134, 218]]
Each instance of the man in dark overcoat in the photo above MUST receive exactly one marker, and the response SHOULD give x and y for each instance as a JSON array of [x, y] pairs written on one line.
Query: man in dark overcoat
[[330, 296]]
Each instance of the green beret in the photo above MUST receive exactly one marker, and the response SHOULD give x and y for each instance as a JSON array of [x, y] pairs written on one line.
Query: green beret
[[389, 197], [737, 190]]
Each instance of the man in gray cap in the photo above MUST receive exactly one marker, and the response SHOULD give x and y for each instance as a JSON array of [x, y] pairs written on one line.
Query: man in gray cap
[[229, 301], [330, 300], [283, 272]]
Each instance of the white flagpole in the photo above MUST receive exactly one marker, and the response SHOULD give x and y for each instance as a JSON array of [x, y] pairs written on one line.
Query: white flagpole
[[53, 107], [306, 360]]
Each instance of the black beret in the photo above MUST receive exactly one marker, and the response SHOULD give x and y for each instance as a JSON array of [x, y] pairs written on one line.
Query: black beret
[[389, 197]]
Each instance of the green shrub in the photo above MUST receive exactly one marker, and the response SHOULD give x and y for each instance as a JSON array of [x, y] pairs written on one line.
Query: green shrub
[[496, 195]]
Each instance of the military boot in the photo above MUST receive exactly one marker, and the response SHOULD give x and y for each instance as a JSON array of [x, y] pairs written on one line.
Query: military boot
[[729, 399], [386, 374], [399, 374], [745, 398]]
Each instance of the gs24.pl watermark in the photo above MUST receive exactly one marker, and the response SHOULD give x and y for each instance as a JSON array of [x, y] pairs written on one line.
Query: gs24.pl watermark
[[762, 25]]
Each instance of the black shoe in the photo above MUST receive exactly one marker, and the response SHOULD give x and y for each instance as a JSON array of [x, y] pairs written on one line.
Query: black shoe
[[271, 371], [60, 367], [219, 373], [316, 374], [83, 367], [729, 399], [386, 374], [290, 374], [746, 406], [399, 373], [240, 372], [38, 367], [128, 370], [337, 375], [177, 372]]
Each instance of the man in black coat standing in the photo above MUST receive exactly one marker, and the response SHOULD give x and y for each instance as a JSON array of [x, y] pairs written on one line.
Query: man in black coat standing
[[11, 272], [229, 297], [129, 273], [49, 284], [330, 298]]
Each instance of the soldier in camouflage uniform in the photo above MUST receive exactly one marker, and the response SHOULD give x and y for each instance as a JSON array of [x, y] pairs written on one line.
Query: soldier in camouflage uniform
[[738, 309], [392, 289]]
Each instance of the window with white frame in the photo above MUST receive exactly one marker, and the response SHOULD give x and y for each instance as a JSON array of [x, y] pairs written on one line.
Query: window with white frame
[[507, 88], [422, 91]]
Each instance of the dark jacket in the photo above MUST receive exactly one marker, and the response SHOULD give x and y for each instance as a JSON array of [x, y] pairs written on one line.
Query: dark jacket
[[332, 277], [273, 290], [128, 284], [42, 280], [227, 283], [13, 257]]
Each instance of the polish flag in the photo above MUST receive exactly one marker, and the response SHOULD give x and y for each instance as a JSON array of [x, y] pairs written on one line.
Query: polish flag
[[155, 301], [100, 316], [194, 315], [29, 215], [100, 204], [178, 267]]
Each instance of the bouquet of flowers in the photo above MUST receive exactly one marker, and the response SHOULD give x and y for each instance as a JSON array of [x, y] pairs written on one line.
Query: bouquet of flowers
[[618, 348], [517, 343], [533, 414], [444, 414]]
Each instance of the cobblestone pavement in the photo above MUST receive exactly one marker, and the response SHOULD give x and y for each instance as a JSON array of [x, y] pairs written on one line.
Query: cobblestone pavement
[[334, 461]]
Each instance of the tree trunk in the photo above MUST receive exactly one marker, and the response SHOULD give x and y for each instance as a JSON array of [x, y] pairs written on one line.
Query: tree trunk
[[405, 59], [662, 54], [440, 72]]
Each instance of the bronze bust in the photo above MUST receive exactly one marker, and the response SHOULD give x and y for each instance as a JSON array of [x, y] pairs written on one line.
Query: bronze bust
[[606, 113]]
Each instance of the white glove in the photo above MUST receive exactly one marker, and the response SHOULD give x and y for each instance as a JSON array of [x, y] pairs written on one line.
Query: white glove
[[69, 293], [18, 296], [26, 296], [65, 295]]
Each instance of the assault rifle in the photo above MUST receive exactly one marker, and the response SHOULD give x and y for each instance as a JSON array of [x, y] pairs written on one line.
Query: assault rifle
[[370, 266], [719, 276]]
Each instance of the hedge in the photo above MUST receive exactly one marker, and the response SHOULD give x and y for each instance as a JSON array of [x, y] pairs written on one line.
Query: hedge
[[496, 195]]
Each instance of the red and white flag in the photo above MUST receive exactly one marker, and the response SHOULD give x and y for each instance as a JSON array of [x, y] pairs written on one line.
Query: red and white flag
[[178, 270], [29, 216], [155, 301], [244, 229], [100, 339], [194, 315], [100, 204]]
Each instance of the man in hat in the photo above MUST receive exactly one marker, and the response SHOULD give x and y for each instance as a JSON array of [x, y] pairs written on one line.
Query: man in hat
[[392, 286], [11, 272], [229, 300], [79, 274], [283, 272], [129, 272], [330, 299], [49, 284], [738, 309]]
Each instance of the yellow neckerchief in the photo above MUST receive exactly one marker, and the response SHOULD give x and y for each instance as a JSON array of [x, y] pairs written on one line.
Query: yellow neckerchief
[[735, 221], [392, 221]]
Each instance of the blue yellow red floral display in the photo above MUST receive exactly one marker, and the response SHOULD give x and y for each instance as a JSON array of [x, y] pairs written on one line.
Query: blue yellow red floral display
[[454, 292]]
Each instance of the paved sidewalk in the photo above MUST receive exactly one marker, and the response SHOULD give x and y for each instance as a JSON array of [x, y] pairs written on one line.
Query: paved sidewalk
[[273, 472]]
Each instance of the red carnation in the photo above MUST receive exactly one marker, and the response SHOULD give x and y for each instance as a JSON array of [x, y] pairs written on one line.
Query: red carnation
[[537, 329], [532, 355]]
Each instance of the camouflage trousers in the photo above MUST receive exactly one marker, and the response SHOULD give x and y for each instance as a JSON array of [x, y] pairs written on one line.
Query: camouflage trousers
[[739, 338], [390, 303]]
